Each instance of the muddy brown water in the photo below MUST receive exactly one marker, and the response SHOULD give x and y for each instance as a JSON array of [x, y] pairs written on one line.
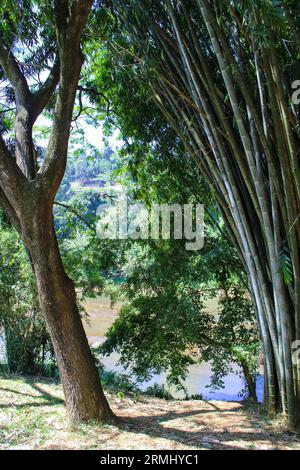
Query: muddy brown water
[[101, 316]]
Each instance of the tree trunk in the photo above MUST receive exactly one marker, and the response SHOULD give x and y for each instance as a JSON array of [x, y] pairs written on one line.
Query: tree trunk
[[84, 396], [27, 194], [251, 385]]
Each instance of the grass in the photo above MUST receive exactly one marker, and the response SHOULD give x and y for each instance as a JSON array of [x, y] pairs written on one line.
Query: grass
[[28, 410], [33, 416]]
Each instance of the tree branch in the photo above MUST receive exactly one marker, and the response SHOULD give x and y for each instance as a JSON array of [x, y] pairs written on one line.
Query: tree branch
[[69, 26], [42, 96], [95, 92], [13, 73], [28, 108], [73, 211], [11, 177]]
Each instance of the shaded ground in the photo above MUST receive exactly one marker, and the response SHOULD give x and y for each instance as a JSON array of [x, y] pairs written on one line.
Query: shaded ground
[[32, 416]]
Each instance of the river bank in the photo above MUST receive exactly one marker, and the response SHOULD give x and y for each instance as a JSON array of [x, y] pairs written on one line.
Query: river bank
[[101, 316]]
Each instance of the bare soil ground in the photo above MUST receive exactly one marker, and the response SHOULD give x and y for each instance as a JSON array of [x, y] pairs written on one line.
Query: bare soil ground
[[32, 416]]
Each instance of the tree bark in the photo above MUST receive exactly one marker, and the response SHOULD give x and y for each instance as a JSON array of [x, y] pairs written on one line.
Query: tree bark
[[84, 396], [27, 195], [251, 385]]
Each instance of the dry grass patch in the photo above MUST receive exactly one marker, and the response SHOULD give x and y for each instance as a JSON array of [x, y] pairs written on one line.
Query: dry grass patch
[[32, 416]]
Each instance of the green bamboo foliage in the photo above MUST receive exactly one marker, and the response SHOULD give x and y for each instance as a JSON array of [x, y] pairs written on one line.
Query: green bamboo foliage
[[222, 73]]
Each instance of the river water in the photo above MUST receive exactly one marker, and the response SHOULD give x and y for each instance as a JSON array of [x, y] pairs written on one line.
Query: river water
[[100, 318]]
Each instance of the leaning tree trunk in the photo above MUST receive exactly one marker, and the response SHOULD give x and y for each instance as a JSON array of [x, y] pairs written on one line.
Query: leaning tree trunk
[[27, 195], [84, 396]]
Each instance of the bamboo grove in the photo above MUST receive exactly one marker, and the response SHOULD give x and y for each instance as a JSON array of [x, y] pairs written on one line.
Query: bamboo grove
[[222, 74]]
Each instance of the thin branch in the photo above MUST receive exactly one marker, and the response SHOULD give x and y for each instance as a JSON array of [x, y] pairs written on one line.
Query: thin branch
[[95, 92], [42, 96], [73, 211]]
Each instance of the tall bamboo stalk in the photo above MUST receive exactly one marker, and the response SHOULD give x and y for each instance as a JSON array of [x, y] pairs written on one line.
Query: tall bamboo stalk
[[225, 90]]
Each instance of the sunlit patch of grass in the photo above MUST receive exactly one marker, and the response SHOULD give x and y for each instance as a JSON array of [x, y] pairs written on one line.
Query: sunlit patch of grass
[[28, 410], [33, 416]]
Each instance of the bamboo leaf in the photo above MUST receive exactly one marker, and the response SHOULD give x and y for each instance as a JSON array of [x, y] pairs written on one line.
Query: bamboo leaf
[[286, 266]]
